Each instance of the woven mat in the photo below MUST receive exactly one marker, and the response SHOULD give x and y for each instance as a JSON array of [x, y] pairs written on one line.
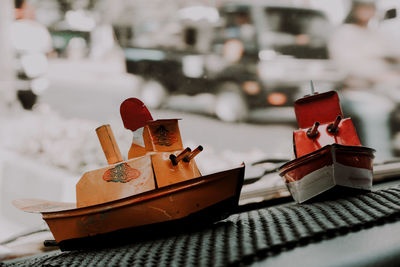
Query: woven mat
[[244, 237]]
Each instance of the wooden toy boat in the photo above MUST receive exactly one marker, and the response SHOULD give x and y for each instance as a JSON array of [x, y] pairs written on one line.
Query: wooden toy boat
[[329, 155], [160, 182]]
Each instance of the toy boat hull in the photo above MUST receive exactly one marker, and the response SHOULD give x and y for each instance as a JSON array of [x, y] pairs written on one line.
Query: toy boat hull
[[167, 204], [332, 166]]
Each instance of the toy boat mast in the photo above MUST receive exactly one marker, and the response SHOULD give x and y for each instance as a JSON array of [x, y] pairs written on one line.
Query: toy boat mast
[[108, 144], [312, 87]]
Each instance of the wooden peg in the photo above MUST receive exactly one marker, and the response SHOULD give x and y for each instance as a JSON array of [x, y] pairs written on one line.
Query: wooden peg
[[193, 154], [333, 127], [108, 144], [175, 159], [313, 131]]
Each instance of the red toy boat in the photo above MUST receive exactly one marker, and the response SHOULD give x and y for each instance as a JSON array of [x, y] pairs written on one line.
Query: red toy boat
[[327, 149]]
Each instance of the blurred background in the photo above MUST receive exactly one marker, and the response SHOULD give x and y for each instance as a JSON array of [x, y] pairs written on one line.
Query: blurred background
[[230, 69]]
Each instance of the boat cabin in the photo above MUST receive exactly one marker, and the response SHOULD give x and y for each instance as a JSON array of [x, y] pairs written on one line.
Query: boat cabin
[[321, 123], [160, 163]]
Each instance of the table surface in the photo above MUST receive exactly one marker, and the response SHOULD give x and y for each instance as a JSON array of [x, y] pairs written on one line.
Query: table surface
[[350, 231]]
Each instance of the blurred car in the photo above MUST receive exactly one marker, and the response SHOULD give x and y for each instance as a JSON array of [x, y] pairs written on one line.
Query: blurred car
[[65, 40], [262, 54], [71, 35]]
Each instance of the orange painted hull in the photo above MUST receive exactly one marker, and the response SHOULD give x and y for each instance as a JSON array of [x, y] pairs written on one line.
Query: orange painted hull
[[169, 203]]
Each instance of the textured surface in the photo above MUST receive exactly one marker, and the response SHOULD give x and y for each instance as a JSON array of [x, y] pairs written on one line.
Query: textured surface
[[244, 237]]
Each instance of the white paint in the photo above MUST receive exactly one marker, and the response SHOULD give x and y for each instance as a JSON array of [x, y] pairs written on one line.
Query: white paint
[[312, 184], [327, 177]]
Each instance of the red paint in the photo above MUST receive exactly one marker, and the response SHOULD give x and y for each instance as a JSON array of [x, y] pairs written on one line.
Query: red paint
[[297, 169], [352, 156], [323, 108], [346, 135], [358, 159], [134, 114]]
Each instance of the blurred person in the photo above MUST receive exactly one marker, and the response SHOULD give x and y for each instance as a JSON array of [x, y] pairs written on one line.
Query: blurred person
[[366, 58], [363, 53], [32, 42]]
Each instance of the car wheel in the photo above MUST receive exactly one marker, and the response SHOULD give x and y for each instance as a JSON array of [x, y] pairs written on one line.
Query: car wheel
[[231, 105], [153, 94]]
